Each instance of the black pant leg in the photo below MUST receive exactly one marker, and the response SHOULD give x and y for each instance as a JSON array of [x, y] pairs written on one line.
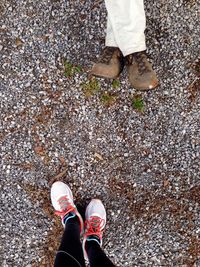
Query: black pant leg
[[70, 253], [96, 256]]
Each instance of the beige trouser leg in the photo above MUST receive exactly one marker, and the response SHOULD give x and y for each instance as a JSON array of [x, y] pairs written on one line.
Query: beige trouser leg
[[125, 26]]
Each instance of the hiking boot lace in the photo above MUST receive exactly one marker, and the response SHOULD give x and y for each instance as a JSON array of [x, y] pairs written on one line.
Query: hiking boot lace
[[107, 54], [140, 59], [65, 206], [94, 225]]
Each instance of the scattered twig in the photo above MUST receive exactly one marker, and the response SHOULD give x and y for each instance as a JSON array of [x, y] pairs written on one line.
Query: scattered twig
[[58, 176], [96, 3]]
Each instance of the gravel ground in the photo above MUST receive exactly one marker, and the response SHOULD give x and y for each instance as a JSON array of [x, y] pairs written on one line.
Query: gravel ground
[[56, 127]]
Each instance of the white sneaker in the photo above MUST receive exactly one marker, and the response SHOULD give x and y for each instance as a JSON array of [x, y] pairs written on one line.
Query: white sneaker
[[95, 222], [62, 201]]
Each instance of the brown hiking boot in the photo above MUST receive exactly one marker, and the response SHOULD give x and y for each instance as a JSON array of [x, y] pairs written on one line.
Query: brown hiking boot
[[110, 63], [140, 72]]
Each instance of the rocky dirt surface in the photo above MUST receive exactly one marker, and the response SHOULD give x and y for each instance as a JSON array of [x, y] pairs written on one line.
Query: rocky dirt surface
[[138, 152]]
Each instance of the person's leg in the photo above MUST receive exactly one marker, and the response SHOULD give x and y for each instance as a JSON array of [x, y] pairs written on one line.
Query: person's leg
[[126, 25], [70, 252], [96, 255], [125, 37], [94, 226], [110, 37], [125, 29]]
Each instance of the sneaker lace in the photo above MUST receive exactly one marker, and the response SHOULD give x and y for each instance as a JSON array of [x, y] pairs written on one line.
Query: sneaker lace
[[107, 54], [93, 226], [65, 206]]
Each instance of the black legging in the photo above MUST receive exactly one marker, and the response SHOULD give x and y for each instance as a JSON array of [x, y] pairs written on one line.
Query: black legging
[[70, 253]]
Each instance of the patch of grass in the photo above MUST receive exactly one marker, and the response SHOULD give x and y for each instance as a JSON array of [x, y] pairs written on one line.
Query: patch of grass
[[91, 87], [138, 103], [70, 70], [115, 84], [108, 99]]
